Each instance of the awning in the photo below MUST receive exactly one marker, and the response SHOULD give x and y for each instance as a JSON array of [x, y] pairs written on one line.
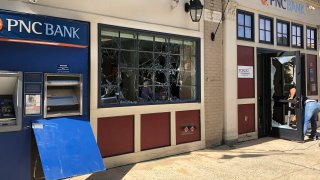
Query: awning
[[67, 147]]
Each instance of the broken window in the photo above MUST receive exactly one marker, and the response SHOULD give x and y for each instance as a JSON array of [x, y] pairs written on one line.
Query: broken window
[[147, 68]]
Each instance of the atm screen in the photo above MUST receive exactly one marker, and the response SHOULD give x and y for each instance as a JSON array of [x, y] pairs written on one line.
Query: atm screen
[[6, 109]]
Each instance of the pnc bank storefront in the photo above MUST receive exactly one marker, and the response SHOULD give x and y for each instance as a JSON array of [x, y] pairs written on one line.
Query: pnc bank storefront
[[274, 49], [84, 87]]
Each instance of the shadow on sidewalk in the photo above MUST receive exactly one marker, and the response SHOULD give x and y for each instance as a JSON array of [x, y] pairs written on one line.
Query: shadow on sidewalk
[[115, 173]]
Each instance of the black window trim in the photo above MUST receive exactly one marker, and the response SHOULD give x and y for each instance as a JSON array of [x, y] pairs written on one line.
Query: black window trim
[[252, 39], [288, 32], [302, 35], [120, 28], [315, 38], [272, 29]]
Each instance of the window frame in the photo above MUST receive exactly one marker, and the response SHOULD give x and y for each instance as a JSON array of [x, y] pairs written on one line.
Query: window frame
[[315, 38], [272, 29], [288, 32], [301, 35], [252, 25], [140, 31]]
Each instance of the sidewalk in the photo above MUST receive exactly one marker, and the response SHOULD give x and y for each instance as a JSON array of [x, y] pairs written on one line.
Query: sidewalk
[[266, 158]]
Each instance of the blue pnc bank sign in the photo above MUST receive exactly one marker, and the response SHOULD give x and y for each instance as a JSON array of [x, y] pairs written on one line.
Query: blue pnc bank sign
[[289, 5], [42, 29]]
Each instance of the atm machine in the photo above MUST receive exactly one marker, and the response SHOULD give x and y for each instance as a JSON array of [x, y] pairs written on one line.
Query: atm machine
[[44, 101], [10, 101]]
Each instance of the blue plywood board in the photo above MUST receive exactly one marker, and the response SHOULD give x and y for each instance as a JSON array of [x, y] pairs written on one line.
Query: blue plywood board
[[67, 147]]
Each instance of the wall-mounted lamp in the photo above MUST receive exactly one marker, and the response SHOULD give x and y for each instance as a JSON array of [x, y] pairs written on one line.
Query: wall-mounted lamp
[[195, 8]]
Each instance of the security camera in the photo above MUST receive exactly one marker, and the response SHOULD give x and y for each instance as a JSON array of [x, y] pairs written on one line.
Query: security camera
[[33, 1]]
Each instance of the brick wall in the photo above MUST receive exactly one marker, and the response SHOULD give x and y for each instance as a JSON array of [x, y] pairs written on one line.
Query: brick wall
[[213, 78]]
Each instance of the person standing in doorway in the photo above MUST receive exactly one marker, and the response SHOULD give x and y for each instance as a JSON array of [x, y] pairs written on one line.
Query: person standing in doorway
[[311, 110]]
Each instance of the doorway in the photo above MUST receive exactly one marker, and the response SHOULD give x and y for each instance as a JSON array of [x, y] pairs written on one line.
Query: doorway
[[280, 88]]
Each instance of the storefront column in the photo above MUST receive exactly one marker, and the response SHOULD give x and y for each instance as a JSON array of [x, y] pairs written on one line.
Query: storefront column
[[230, 74]]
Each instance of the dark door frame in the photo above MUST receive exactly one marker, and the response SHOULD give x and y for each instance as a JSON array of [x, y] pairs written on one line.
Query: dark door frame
[[264, 95]]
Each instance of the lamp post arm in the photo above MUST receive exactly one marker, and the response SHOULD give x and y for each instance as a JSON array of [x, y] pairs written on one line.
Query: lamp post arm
[[213, 34]]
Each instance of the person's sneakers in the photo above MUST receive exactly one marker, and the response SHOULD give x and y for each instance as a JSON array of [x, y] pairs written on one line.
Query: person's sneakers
[[314, 137]]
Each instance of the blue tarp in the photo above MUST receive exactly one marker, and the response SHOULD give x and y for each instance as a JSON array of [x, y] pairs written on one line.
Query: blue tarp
[[67, 147]]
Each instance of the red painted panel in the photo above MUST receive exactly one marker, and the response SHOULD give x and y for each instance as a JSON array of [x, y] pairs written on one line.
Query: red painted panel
[[116, 135], [155, 130], [187, 126], [245, 57], [312, 78], [246, 120]]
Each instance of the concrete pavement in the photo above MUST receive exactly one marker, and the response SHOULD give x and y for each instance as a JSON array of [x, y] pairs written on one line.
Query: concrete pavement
[[265, 158]]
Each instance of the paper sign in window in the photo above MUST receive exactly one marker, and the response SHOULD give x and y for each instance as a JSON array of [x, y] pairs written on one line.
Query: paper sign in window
[[245, 71]]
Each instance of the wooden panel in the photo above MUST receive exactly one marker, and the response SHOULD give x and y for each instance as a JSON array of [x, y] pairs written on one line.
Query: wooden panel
[[312, 78], [155, 130], [187, 126], [116, 135], [245, 57], [246, 120]]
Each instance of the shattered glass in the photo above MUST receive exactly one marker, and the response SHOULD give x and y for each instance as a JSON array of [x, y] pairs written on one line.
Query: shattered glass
[[145, 60], [175, 62], [160, 61], [153, 69], [160, 78], [161, 44], [128, 59], [145, 76], [127, 85], [109, 66]]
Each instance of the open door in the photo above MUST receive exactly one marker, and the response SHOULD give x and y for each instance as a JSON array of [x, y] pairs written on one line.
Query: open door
[[280, 94]]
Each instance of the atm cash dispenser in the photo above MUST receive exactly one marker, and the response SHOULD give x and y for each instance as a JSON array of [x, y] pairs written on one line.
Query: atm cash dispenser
[[63, 95]]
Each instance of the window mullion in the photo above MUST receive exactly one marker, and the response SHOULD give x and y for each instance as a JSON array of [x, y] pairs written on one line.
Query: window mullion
[[153, 70]]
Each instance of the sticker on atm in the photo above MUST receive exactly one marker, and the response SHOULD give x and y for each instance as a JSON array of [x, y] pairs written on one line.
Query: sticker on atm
[[63, 68], [33, 104]]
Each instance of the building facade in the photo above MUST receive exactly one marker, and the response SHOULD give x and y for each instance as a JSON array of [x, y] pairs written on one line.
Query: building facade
[[259, 39], [151, 73]]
